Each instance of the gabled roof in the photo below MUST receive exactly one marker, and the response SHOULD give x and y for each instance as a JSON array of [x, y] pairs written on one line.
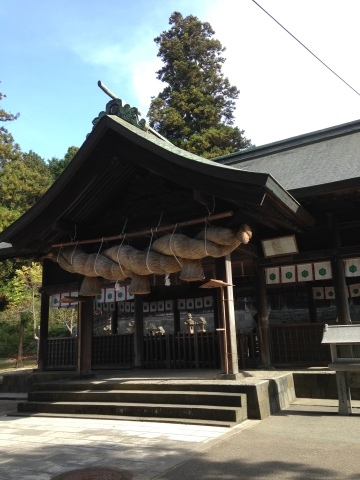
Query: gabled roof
[[318, 162], [122, 172]]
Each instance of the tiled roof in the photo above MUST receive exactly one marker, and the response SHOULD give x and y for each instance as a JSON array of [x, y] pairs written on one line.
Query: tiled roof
[[318, 158]]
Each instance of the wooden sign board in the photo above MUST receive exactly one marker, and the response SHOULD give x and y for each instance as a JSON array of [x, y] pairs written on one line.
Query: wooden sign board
[[276, 247]]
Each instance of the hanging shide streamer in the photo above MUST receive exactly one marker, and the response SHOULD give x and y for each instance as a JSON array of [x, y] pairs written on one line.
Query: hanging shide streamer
[[169, 254]]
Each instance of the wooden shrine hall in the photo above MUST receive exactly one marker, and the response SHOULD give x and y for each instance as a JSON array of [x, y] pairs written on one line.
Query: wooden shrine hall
[[175, 261]]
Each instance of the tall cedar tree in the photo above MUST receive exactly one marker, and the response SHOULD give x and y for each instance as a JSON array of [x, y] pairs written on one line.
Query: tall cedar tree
[[196, 110]]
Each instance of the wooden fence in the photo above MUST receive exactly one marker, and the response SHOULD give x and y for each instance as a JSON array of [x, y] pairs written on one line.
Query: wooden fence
[[61, 353], [182, 351], [112, 351], [289, 345], [298, 344]]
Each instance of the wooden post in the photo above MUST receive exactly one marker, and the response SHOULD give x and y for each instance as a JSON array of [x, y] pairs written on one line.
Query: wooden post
[[233, 362], [220, 313], [114, 320], [341, 291], [139, 331], [84, 340], [177, 326], [311, 304], [263, 318], [217, 312], [44, 330], [44, 321], [229, 354], [338, 271]]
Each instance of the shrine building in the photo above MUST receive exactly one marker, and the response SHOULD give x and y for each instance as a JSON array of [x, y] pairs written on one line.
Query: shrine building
[[173, 261]]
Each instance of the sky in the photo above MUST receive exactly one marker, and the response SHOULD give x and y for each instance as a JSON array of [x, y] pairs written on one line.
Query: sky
[[53, 52]]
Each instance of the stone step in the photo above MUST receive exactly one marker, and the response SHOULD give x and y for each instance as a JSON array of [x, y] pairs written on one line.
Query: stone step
[[215, 402], [142, 410], [141, 396], [164, 385], [185, 421]]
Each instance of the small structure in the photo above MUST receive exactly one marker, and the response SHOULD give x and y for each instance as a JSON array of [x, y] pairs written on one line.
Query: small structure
[[344, 343], [190, 324], [201, 324]]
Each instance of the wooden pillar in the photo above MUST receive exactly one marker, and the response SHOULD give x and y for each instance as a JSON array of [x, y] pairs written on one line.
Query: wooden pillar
[[338, 271], [311, 304], [263, 318], [44, 331], [177, 326], [114, 320], [217, 309], [219, 305], [139, 331], [218, 324], [84, 339], [230, 318], [44, 319], [229, 353], [341, 291]]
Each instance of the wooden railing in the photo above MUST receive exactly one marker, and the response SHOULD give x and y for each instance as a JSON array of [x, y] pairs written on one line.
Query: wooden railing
[[61, 353], [108, 351], [182, 351], [298, 344], [289, 344], [113, 351]]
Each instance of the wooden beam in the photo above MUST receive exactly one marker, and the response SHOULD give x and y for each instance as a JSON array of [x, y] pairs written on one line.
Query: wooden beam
[[149, 231]]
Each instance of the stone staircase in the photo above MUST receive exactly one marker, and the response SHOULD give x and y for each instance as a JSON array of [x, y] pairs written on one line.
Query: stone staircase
[[197, 402]]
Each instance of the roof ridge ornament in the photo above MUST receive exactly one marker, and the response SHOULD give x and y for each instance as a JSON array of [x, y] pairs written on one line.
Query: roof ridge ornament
[[116, 107]]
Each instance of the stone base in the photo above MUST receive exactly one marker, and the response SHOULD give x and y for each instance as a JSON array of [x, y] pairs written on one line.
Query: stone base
[[230, 376], [266, 367]]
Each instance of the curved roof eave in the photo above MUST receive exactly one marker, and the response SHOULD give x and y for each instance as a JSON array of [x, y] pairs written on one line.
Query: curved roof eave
[[166, 160]]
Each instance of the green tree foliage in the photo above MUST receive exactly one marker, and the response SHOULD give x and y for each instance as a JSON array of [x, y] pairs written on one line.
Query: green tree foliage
[[24, 177], [22, 182], [57, 166], [196, 109], [9, 337], [7, 272], [62, 321], [22, 293]]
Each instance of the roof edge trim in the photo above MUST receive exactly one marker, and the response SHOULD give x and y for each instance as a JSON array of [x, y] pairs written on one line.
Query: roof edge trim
[[289, 143]]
